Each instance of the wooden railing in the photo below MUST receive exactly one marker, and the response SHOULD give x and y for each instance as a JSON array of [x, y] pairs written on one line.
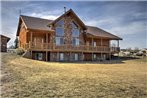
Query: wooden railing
[[69, 47]]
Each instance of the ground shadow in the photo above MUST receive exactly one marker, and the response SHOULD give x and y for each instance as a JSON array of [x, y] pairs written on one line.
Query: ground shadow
[[114, 60]]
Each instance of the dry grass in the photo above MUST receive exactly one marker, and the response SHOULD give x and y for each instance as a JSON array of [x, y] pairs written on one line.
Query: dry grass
[[23, 77]]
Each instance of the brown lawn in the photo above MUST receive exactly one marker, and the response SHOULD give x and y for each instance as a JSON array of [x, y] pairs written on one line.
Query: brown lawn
[[23, 77]]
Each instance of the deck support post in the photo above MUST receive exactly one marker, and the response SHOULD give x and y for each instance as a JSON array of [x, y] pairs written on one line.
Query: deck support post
[[46, 56], [46, 40], [31, 55], [117, 43], [92, 56], [82, 56], [31, 39], [101, 48], [110, 56]]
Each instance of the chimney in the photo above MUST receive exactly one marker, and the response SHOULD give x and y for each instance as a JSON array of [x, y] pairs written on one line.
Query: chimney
[[64, 9]]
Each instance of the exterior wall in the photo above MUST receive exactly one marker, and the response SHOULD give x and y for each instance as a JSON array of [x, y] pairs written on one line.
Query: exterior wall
[[87, 56], [54, 56], [22, 37], [68, 31]]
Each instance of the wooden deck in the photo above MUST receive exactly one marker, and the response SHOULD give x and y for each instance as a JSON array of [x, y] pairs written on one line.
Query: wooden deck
[[67, 47]]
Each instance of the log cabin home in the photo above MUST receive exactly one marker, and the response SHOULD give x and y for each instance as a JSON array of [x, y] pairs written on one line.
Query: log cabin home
[[4, 41], [66, 38]]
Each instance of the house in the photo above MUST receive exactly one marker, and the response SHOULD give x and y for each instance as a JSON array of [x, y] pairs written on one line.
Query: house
[[4, 41], [66, 38]]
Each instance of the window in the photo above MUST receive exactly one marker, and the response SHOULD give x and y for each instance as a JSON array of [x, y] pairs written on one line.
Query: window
[[74, 25], [94, 56], [61, 56], [76, 57], [59, 31], [75, 32], [38, 56], [60, 23], [75, 41], [94, 44], [59, 41]]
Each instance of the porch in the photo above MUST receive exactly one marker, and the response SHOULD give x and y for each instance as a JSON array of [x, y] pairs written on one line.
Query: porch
[[69, 47]]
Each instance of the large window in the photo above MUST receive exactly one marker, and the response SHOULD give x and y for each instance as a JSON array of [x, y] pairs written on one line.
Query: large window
[[75, 41], [60, 23], [59, 41], [60, 28], [59, 31], [75, 30]]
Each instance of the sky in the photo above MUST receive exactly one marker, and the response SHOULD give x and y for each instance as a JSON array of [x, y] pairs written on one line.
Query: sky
[[127, 20]]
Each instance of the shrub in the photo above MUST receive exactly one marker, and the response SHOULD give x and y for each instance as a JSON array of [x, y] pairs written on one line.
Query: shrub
[[19, 51]]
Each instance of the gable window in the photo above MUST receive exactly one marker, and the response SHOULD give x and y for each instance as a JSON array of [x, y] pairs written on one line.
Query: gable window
[[74, 25], [59, 31], [59, 40], [60, 23], [75, 41], [75, 32]]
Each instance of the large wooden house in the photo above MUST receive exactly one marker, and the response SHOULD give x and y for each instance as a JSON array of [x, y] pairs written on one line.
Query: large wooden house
[[66, 38]]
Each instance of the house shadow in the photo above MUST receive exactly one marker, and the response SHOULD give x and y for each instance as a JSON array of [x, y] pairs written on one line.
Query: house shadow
[[114, 60]]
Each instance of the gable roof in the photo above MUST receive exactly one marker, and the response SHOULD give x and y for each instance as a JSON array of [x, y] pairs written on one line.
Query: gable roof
[[34, 23], [95, 31], [71, 12], [4, 37], [43, 24]]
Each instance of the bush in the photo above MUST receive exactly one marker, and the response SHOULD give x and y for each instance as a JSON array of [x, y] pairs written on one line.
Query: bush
[[19, 51]]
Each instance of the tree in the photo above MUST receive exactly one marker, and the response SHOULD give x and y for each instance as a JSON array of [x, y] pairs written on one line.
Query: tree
[[129, 49], [136, 49], [16, 43]]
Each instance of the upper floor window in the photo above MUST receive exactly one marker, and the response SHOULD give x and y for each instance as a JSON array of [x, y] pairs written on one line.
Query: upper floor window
[[60, 23], [59, 31], [75, 32], [74, 25], [60, 28]]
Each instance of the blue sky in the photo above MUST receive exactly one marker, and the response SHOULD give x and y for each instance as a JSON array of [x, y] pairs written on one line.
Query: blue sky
[[125, 19]]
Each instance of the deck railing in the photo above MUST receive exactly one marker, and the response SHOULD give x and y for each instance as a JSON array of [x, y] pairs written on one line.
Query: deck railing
[[69, 47]]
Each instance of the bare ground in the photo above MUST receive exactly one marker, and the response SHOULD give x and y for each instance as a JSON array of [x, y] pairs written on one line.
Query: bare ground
[[23, 77]]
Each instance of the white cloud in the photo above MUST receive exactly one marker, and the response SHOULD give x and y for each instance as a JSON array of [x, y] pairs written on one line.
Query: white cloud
[[114, 25], [45, 16], [130, 28]]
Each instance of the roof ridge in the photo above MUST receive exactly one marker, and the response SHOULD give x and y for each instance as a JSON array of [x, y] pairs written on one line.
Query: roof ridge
[[35, 17]]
